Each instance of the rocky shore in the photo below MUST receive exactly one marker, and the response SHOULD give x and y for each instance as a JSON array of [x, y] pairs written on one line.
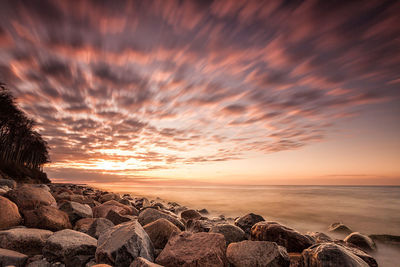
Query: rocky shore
[[77, 225]]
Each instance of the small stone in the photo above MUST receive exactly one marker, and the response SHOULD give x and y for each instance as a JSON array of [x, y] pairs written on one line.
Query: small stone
[[339, 228]]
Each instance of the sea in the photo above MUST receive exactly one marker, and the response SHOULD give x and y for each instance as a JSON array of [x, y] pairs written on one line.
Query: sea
[[364, 209]]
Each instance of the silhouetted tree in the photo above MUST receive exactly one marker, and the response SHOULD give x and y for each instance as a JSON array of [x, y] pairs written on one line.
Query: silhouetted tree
[[19, 142]]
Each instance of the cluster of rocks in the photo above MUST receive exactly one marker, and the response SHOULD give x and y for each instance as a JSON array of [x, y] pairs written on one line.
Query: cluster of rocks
[[76, 225]]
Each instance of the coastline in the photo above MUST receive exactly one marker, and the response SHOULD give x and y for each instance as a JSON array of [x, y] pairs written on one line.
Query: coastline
[[97, 215]]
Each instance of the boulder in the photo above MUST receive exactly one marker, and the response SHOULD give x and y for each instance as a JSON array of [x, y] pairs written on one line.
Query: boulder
[[284, 236], [70, 247], [331, 255], [231, 232], [99, 226], [142, 262], [103, 209], [319, 237], [339, 228], [9, 183], [12, 258], [84, 224], [358, 252], [142, 202], [150, 215], [9, 213], [362, 241], [194, 249], [108, 197], [29, 197], [160, 231], [257, 253], [29, 241], [76, 211], [117, 218], [47, 217], [121, 244], [201, 225], [247, 221], [190, 215]]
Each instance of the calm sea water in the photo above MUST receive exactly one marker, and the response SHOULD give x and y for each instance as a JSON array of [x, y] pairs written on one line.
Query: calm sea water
[[366, 209]]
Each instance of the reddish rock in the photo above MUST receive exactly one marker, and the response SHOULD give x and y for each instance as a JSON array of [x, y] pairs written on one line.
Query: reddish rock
[[12, 258], [150, 215], [284, 236], [194, 249], [117, 218], [160, 231], [29, 197], [247, 221], [9, 213], [47, 217], [84, 224], [142, 262], [231, 232], [29, 241], [362, 241], [103, 209], [190, 215], [257, 253]]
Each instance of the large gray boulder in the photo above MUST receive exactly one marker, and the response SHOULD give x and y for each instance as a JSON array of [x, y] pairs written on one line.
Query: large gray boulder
[[362, 241], [47, 217], [231, 232], [284, 236], [194, 249], [150, 215], [76, 211], [121, 244], [24, 240], [70, 247], [9, 213], [257, 253], [29, 197], [247, 221], [99, 226], [12, 258], [160, 231], [331, 255]]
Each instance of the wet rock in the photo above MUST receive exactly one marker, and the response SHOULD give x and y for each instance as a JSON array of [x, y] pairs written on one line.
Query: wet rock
[[203, 212], [247, 221], [84, 224], [9, 183], [29, 241], [358, 252], [190, 215], [142, 262], [12, 258], [99, 226], [339, 228], [9, 213], [47, 217], [108, 197], [257, 253], [160, 231], [71, 247], [362, 241], [103, 209], [284, 236], [28, 197], [121, 244], [319, 237], [150, 215], [117, 218], [76, 211], [194, 249], [231, 232], [331, 255], [296, 259]]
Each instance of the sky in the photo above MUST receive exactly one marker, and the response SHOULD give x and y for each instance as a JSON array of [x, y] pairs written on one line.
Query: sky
[[209, 92]]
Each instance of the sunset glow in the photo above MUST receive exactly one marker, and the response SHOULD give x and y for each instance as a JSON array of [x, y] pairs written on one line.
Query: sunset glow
[[209, 92]]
